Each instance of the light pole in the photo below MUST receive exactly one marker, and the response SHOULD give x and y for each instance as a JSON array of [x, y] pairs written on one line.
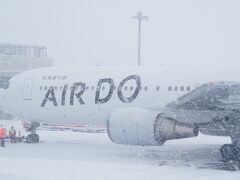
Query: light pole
[[140, 18]]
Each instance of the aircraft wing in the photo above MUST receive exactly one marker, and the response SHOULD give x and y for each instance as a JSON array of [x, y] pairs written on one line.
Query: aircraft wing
[[213, 109]]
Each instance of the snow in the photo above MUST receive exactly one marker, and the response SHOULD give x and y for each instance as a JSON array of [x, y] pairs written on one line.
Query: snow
[[74, 155]]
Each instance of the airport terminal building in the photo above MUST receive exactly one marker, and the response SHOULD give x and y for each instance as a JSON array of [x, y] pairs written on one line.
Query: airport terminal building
[[15, 59]]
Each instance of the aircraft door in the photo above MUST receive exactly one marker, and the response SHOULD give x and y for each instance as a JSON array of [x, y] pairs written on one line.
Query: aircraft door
[[27, 90]]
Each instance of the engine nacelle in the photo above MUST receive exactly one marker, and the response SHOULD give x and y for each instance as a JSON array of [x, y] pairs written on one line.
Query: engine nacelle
[[134, 126]]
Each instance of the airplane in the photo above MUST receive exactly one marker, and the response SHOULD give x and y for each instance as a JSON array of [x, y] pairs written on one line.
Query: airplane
[[139, 105]]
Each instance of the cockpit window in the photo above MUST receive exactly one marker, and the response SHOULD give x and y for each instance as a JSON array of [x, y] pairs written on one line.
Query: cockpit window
[[6, 85], [4, 82]]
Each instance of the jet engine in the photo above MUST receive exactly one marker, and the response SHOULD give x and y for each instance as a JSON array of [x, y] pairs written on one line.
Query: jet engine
[[135, 126]]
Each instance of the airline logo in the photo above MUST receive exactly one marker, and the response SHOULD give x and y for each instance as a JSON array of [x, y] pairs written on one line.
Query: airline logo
[[78, 90]]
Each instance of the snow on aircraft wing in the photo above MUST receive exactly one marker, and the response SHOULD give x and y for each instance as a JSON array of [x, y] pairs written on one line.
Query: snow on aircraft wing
[[213, 96], [213, 103]]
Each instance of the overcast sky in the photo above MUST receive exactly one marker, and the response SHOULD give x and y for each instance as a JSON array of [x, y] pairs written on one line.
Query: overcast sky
[[102, 32]]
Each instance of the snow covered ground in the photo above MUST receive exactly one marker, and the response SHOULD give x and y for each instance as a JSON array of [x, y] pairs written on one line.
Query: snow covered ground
[[69, 155]]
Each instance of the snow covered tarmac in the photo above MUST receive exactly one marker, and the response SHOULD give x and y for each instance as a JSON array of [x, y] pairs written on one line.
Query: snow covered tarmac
[[73, 155]]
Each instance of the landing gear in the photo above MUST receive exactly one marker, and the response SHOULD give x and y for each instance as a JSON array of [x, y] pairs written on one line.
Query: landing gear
[[230, 153], [33, 137], [231, 156]]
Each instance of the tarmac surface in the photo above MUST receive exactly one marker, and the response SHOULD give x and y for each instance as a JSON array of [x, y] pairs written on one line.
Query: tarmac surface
[[76, 155]]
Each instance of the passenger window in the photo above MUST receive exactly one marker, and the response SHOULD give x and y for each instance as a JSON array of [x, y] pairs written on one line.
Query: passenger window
[[45, 88], [182, 88], [158, 88], [176, 88], [145, 88], [169, 88], [188, 88], [41, 88]]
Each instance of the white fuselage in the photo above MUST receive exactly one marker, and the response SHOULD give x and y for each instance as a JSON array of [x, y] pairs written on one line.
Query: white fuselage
[[87, 95]]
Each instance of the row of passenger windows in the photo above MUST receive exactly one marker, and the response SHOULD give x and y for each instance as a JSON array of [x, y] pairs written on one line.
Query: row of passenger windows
[[177, 88], [126, 88]]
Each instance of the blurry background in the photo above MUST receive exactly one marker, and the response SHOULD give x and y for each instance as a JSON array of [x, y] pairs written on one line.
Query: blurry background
[[102, 32]]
